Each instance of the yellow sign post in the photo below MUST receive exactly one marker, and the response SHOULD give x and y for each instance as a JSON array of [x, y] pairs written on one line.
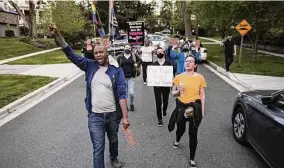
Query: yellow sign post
[[243, 28]]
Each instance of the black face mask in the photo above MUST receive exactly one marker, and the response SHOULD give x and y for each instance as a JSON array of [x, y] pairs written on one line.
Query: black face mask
[[160, 56], [185, 50]]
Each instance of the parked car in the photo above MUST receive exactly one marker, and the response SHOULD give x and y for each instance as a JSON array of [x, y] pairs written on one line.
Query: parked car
[[117, 45], [258, 120], [158, 40]]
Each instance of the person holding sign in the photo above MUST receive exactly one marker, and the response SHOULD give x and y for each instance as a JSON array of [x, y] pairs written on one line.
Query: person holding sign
[[105, 98], [189, 90], [130, 64], [161, 92]]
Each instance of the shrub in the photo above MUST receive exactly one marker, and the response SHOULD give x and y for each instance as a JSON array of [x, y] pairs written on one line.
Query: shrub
[[9, 33]]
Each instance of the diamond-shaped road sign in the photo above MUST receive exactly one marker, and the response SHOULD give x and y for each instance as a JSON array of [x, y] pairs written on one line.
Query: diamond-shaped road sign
[[243, 27]]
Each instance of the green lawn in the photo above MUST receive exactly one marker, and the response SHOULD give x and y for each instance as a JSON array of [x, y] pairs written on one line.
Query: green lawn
[[265, 65], [204, 40], [12, 47], [54, 57], [14, 87]]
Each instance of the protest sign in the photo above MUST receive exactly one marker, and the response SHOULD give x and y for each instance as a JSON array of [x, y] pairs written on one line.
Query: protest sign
[[129, 136], [160, 76], [105, 41], [135, 33]]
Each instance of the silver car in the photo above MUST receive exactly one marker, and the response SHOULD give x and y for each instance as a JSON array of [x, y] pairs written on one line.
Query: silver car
[[158, 40]]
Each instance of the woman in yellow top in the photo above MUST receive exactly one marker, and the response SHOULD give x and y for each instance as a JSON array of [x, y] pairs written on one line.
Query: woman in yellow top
[[189, 90]]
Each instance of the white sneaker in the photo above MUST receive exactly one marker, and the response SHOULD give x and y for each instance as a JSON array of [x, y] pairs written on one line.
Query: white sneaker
[[192, 164], [145, 83], [176, 144]]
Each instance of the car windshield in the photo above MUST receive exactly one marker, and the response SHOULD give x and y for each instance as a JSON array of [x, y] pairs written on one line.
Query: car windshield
[[123, 37], [156, 38], [279, 101]]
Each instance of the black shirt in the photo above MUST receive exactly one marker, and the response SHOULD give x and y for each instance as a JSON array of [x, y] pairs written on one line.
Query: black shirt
[[229, 47], [127, 65]]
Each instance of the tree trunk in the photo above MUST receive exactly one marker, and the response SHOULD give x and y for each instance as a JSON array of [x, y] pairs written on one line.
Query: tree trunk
[[187, 25], [32, 20], [255, 46], [223, 31], [18, 10]]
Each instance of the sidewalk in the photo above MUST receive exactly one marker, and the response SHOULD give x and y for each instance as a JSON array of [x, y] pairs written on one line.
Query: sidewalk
[[248, 81], [261, 51]]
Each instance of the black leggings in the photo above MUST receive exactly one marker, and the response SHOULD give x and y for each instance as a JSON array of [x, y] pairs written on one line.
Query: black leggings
[[181, 126], [161, 95], [144, 68]]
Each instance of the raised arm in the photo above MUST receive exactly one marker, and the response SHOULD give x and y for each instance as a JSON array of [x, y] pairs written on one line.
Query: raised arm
[[79, 61]]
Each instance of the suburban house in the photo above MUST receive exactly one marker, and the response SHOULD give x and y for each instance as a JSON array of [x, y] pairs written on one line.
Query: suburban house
[[9, 21]]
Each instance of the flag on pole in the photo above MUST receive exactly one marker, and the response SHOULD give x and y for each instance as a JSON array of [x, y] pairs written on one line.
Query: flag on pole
[[114, 29], [97, 20]]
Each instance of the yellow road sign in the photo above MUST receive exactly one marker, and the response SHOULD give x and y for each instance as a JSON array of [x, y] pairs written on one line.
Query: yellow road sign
[[243, 27]]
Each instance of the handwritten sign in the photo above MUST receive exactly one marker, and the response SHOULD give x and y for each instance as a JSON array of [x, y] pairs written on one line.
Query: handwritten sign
[[129, 136], [160, 76]]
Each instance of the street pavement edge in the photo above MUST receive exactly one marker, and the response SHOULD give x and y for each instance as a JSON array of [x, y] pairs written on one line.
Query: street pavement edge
[[227, 76], [21, 105]]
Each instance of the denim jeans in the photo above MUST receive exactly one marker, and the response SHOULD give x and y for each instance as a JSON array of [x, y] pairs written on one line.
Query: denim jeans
[[98, 124], [130, 89]]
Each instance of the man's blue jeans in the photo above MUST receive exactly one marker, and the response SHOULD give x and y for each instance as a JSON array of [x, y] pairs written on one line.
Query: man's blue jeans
[[98, 124]]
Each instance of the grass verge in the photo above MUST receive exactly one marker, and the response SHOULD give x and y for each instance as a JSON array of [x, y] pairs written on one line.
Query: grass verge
[[12, 47], [265, 64], [54, 57], [16, 86]]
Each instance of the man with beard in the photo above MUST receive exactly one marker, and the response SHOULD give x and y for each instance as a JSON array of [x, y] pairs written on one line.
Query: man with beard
[[105, 98]]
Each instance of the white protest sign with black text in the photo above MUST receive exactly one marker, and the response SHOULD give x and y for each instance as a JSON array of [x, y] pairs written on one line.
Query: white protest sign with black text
[[160, 76]]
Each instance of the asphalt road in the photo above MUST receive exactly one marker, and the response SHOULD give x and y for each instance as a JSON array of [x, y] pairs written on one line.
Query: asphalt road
[[54, 133]]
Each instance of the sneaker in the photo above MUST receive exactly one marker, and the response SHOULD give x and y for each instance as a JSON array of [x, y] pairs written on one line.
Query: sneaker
[[160, 123], [132, 107], [145, 83], [115, 163], [165, 114], [192, 164], [176, 144]]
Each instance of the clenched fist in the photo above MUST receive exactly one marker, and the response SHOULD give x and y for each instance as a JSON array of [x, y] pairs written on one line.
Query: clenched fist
[[52, 28]]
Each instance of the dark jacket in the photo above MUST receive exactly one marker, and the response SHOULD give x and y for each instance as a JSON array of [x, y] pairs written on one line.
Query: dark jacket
[[126, 67], [90, 67], [178, 113]]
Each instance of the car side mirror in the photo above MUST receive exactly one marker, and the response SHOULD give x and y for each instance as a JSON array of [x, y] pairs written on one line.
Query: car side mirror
[[266, 100]]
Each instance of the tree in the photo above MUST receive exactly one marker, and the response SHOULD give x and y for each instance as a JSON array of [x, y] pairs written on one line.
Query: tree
[[69, 19], [187, 25], [166, 14], [31, 21], [262, 16]]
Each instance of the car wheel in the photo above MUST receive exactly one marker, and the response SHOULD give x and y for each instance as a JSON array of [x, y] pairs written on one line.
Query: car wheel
[[239, 126]]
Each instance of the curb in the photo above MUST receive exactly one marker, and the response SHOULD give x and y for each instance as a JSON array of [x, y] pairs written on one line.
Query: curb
[[229, 75], [10, 108], [28, 55]]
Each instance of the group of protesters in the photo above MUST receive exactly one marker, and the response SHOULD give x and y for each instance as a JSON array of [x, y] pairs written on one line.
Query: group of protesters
[[110, 81]]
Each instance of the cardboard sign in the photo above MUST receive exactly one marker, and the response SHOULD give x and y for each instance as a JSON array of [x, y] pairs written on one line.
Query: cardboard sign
[[136, 33], [160, 76], [129, 136], [173, 41], [197, 43], [105, 41]]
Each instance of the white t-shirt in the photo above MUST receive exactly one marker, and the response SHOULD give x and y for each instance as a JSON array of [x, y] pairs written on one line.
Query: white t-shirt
[[147, 54], [102, 94]]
